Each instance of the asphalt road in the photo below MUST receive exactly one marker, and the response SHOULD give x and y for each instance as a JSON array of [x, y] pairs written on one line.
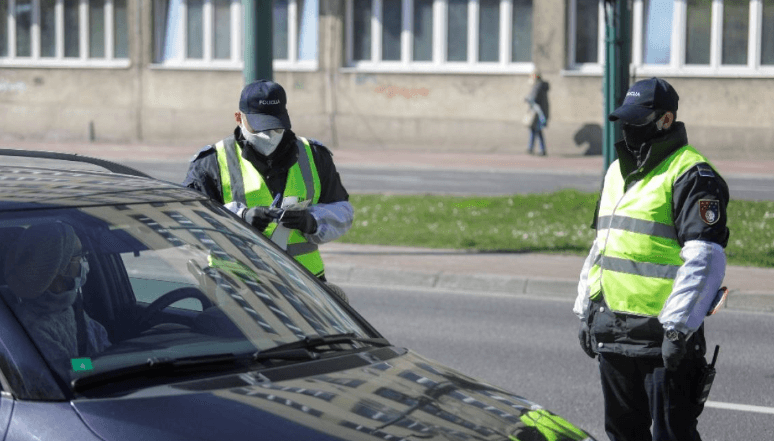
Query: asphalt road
[[472, 183], [529, 346]]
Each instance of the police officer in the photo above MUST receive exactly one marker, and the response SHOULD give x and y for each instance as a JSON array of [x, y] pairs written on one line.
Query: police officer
[[653, 272], [264, 163]]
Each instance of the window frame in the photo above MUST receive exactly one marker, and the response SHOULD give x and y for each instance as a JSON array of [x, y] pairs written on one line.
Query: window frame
[[572, 27], [677, 66], [438, 63], [235, 61], [59, 60]]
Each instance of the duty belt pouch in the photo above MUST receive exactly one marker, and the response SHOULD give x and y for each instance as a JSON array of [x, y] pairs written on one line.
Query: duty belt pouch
[[706, 378]]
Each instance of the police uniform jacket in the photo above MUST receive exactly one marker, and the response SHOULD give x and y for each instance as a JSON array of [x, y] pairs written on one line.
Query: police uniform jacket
[[333, 212], [701, 244]]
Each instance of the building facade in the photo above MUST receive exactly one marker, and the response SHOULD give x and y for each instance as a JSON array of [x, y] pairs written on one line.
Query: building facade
[[380, 74]]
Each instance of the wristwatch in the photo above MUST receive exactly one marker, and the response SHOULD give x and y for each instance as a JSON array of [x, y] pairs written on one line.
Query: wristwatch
[[672, 334]]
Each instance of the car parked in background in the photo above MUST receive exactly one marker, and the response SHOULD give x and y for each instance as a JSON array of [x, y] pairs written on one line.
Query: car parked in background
[[178, 321]]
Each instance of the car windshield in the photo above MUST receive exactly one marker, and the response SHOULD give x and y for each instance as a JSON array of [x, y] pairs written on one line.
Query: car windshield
[[160, 282]]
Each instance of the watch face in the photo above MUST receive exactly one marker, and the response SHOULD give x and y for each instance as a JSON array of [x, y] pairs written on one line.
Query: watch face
[[672, 335]]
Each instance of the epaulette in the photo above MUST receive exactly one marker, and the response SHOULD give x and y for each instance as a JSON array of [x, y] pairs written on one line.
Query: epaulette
[[206, 149], [705, 170], [319, 144]]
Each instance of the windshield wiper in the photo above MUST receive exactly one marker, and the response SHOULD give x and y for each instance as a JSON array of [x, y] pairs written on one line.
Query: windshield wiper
[[296, 350], [157, 367]]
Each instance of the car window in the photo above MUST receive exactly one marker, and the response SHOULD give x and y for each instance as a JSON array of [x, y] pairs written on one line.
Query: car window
[[163, 281], [151, 275]]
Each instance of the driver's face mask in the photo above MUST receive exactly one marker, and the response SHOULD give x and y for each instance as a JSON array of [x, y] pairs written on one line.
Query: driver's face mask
[[80, 279], [264, 142], [77, 282], [638, 135]]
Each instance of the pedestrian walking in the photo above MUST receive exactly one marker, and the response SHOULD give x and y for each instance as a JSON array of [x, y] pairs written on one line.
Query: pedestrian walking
[[536, 118], [284, 185], [653, 272]]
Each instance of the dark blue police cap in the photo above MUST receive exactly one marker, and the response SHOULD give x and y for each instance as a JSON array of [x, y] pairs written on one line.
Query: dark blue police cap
[[265, 104], [643, 98]]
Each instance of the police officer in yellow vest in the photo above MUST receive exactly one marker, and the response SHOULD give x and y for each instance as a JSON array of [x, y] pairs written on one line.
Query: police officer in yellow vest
[[653, 272], [264, 166]]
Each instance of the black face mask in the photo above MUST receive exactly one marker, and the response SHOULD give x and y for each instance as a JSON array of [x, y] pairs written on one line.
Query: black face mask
[[637, 137]]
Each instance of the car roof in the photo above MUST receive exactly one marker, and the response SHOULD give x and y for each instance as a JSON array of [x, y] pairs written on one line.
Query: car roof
[[29, 187]]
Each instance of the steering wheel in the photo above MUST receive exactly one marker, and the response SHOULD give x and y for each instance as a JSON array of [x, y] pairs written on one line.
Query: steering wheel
[[169, 298]]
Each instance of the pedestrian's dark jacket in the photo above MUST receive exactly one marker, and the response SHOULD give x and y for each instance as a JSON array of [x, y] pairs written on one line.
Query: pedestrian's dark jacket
[[632, 335], [204, 171], [539, 95]]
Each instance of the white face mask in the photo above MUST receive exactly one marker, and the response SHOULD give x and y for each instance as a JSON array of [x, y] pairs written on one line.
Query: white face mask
[[263, 142], [81, 279]]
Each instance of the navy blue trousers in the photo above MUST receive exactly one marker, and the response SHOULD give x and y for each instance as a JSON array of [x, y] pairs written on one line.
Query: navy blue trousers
[[640, 393]]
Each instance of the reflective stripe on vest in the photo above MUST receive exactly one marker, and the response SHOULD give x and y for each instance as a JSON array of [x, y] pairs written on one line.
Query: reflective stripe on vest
[[639, 251], [241, 182]]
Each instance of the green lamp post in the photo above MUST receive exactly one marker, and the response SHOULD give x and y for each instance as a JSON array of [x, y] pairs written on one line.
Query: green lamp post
[[617, 58], [258, 56]]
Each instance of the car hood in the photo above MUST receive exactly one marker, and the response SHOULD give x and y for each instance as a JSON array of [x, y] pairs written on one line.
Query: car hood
[[403, 397]]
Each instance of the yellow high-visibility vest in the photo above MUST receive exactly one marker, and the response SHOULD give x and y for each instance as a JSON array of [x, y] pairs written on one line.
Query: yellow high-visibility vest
[[639, 250], [241, 182]]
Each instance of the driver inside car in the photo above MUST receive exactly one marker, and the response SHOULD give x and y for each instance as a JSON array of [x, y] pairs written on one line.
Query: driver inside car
[[45, 269]]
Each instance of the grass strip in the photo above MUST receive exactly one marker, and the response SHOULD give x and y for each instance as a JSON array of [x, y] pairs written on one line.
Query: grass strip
[[546, 223]]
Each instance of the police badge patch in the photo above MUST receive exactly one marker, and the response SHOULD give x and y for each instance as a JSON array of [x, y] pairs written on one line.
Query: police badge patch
[[709, 210]]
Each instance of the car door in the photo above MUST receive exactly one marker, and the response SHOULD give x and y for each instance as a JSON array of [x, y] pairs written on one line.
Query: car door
[[6, 410]]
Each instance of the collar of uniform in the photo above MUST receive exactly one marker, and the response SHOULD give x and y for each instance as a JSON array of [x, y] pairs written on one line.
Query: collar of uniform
[[281, 159], [659, 150]]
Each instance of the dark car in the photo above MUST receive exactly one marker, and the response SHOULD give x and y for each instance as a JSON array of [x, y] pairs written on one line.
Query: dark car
[[136, 309]]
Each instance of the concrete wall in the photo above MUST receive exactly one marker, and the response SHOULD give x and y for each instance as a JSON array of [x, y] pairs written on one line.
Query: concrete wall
[[726, 117], [63, 105]]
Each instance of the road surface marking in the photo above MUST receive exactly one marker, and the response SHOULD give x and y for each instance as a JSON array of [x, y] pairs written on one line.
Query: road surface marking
[[742, 407]]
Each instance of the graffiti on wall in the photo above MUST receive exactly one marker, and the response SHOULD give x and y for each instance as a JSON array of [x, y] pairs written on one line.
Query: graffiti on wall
[[391, 91]]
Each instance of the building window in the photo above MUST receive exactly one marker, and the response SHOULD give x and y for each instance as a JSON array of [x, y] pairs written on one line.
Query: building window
[[698, 32], [767, 33], [3, 29], [736, 29], [457, 26], [680, 37], [392, 26], [586, 33], [423, 30], [488, 30], [281, 29], [657, 31], [521, 44], [67, 33], [439, 35], [203, 34], [71, 26], [361, 49]]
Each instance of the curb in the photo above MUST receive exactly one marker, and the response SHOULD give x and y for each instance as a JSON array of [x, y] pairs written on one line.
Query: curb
[[513, 285]]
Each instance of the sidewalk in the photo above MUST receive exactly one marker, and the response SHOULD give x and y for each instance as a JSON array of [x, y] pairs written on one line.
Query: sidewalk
[[591, 165], [533, 274], [506, 273]]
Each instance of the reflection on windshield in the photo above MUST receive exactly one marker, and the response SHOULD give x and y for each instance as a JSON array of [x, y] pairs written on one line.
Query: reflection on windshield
[[171, 280]]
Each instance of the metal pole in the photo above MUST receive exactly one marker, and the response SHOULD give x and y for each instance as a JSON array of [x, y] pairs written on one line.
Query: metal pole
[[617, 59], [258, 55]]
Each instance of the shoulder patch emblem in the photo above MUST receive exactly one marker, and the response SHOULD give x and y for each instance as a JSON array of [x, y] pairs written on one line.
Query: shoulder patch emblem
[[709, 210]]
